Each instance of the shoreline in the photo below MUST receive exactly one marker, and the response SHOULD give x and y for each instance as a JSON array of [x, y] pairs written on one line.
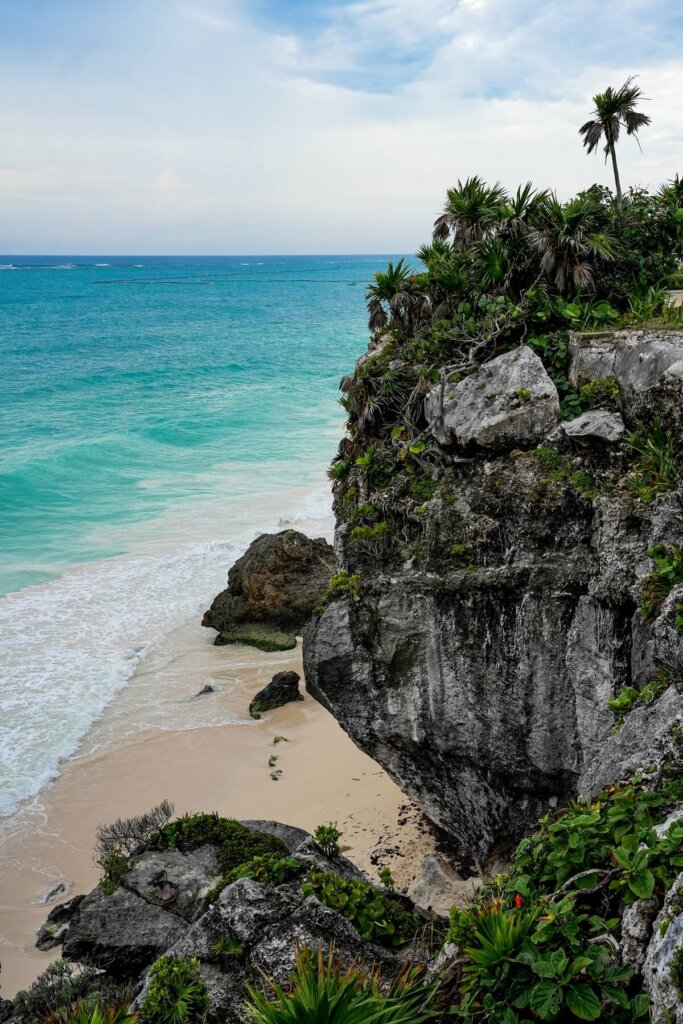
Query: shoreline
[[213, 767]]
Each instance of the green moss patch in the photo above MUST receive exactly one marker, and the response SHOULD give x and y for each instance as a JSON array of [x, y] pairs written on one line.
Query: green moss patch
[[261, 637]]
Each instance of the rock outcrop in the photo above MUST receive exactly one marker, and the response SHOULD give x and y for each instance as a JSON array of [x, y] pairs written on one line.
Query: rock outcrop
[[282, 689], [497, 615], [272, 591]]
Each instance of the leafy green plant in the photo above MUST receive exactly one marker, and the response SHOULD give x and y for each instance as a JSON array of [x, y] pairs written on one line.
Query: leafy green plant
[[376, 916], [523, 395], [386, 878], [655, 469], [676, 969], [58, 989], [371, 537], [87, 1013], [601, 391], [325, 990], [423, 489], [342, 584], [269, 869], [327, 838], [668, 571], [176, 993], [236, 843]]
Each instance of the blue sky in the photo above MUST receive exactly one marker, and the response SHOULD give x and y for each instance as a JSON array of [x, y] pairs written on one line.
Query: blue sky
[[222, 126]]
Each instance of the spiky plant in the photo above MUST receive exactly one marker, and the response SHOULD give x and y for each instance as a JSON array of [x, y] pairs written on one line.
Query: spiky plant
[[325, 991], [471, 211], [569, 242], [614, 109]]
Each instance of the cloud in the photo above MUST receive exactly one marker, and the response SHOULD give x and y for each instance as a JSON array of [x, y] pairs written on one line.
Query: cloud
[[263, 126]]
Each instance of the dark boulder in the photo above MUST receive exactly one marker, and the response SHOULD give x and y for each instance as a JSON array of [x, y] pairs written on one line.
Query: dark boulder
[[282, 689], [272, 591], [52, 933]]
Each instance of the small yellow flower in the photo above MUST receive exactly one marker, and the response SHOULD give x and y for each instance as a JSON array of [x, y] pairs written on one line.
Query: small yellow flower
[[548, 917]]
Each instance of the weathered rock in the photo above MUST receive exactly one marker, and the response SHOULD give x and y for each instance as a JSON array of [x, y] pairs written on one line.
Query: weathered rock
[[52, 933], [636, 929], [667, 938], [509, 401], [598, 424], [191, 874], [646, 364], [480, 677], [272, 591], [204, 690], [121, 933], [438, 887], [282, 689]]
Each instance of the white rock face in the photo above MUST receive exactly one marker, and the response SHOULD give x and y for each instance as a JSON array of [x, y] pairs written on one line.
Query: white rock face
[[598, 423], [507, 402], [666, 999], [438, 887], [639, 361]]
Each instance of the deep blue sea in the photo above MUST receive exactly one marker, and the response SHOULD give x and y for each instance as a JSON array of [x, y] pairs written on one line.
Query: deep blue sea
[[155, 414]]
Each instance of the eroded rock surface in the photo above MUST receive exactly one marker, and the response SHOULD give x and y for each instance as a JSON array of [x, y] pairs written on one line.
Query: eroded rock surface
[[282, 689], [272, 590]]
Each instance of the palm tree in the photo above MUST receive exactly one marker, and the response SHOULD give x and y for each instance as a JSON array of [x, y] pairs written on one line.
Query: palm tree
[[471, 211], [614, 109], [394, 295], [569, 242]]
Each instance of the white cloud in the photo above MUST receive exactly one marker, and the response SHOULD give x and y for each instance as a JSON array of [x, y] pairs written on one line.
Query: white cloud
[[197, 129]]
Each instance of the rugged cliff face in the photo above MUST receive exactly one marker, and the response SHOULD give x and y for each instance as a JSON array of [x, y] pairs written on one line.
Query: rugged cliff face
[[490, 608]]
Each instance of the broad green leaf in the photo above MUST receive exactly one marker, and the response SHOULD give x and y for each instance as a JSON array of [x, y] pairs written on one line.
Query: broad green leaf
[[546, 1000], [642, 884], [617, 995], [544, 968], [640, 1005], [583, 1002]]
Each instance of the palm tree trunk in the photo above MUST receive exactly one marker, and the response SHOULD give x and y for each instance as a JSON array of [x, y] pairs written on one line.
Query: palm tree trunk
[[617, 181]]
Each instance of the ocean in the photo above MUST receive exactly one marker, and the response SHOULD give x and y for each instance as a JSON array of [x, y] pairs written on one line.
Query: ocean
[[156, 414]]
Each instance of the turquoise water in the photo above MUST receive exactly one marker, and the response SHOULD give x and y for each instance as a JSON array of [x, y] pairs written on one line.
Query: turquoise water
[[126, 382], [155, 414]]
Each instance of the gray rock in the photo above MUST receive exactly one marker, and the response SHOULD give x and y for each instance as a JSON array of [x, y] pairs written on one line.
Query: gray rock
[[598, 424], [54, 930], [282, 689], [509, 401], [667, 937], [121, 933], [438, 887], [292, 837], [190, 874], [640, 360], [636, 929]]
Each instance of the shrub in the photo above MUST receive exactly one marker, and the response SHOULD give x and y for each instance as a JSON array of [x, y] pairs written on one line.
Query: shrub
[[325, 991], [668, 571], [236, 843], [115, 843], [176, 993], [538, 940], [225, 948], [376, 916], [363, 514], [269, 869], [373, 538], [655, 468], [327, 837], [600, 391], [57, 990], [85, 1013]]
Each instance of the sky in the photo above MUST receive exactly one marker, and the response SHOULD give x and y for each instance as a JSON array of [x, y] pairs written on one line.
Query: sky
[[294, 126]]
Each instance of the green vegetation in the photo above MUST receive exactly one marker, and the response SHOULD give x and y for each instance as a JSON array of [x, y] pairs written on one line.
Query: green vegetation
[[538, 940], [629, 697], [376, 916], [601, 391], [342, 584], [371, 538], [562, 469], [86, 1013], [116, 843], [676, 969], [523, 395], [668, 571], [423, 489], [386, 878], [176, 993], [326, 990], [614, 109], [263, 638], [655, 469], [225, 948], [236, 843], [269, 869], [327, 837], [56, 992]]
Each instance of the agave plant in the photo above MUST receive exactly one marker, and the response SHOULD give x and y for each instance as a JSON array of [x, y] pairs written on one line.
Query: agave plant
[[569, 242], [325, 991], [614, 109], [471, 212], [499, 935], [86, 1013]]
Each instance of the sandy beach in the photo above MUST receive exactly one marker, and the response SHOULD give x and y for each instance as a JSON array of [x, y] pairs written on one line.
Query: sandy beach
[[223, 768]]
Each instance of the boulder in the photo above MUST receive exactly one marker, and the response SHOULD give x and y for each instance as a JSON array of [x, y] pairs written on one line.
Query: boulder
[[282, 689], [646, 364], [597, 424], [52, 933], [121, 933], [508, 402], [179, 880], [272, 591], [438, 887]]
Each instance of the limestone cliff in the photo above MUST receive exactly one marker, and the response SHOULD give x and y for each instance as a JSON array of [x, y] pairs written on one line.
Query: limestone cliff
[[493, 602]]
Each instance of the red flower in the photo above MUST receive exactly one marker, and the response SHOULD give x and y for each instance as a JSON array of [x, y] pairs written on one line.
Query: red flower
[[518, 901]]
